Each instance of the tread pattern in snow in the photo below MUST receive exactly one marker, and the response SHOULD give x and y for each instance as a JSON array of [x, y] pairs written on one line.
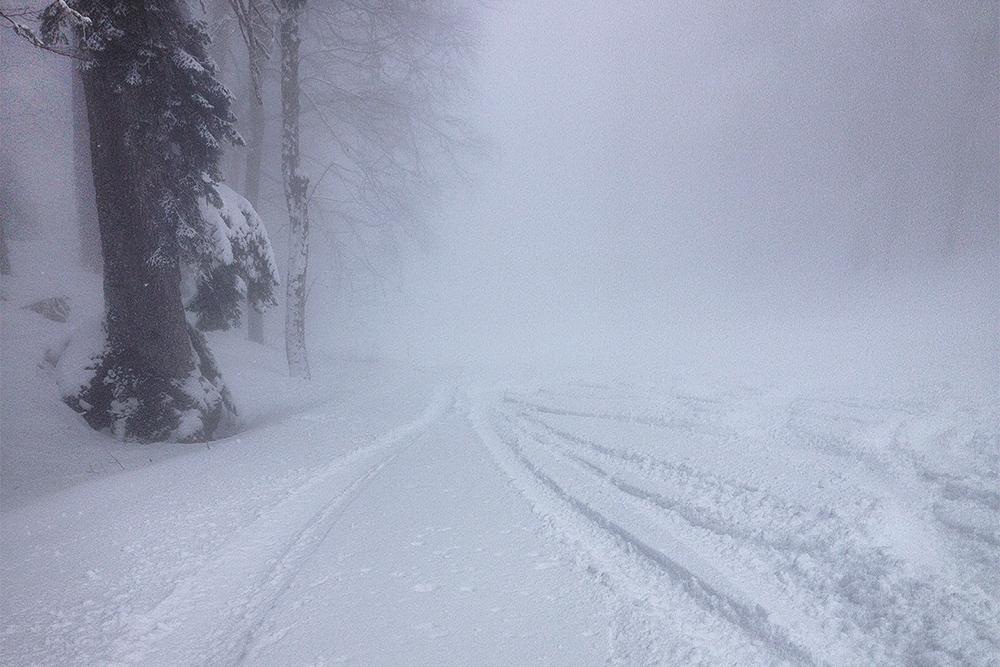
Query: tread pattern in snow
[[811, 584]]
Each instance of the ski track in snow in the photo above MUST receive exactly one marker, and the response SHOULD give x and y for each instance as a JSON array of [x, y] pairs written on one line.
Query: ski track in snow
[[712, 570], [210, 611], [183, 630]]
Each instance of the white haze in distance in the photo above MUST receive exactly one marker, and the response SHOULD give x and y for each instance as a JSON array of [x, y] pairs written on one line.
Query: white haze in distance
[[772, 191], [758, 191]]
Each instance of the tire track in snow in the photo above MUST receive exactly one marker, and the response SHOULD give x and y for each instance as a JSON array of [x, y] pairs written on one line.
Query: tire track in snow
[[623, 417], [773, 540], [585, 494], [850, 603], [188, 627], [794, 529]]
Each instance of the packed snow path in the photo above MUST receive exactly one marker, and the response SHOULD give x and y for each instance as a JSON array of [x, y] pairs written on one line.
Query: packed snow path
[[436, 563], [570, 524], [409, 549]]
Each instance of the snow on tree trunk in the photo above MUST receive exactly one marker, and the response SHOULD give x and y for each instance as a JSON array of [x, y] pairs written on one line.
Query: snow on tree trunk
[[255, 144], [296, 192]]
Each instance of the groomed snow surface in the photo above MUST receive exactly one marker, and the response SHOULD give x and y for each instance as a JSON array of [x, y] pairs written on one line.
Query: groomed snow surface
[[381, 515]]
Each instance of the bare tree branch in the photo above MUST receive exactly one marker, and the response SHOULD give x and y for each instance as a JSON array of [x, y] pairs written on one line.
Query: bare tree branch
[[13, 18]]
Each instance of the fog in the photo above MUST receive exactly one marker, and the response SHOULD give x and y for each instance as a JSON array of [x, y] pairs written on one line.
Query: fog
[[766, 192], [762, 191]]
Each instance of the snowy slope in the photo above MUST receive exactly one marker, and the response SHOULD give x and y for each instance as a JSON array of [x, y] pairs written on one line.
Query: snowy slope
[[381, 515]]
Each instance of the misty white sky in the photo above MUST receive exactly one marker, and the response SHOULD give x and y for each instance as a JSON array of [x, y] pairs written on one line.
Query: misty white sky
[[738, 188]]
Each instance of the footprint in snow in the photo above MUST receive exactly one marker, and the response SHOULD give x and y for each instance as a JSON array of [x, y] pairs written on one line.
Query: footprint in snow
[[545, 565], [433, 630]]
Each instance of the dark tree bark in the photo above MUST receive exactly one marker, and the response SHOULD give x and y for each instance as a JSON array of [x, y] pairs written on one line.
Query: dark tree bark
[[148, 339], [143, 299], [83, 181], [156, 115]]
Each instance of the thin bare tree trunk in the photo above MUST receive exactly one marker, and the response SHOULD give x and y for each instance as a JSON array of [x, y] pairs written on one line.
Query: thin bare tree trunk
[[254, 19], [296, 191], [255, 140]]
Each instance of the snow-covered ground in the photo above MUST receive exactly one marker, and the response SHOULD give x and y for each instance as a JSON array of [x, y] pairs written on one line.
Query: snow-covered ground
[[738, 526], [382, 515]]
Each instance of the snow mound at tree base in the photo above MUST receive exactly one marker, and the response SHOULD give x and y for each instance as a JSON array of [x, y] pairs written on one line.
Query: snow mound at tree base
[[132, 402]]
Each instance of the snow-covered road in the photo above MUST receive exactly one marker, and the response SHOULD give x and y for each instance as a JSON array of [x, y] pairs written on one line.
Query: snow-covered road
[[513, 524]]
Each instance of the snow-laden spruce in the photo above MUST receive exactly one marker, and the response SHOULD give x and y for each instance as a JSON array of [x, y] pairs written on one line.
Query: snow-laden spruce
[[235, 266], [158, 118], [235, 263]]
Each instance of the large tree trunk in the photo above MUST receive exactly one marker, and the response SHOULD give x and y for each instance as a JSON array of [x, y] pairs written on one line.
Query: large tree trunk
[[296, 192], [83, 181], [145, 314], [156, 379]]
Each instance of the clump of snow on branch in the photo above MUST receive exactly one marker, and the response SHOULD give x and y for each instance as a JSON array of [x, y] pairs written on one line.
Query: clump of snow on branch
[[237, 263], [185, 60]]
